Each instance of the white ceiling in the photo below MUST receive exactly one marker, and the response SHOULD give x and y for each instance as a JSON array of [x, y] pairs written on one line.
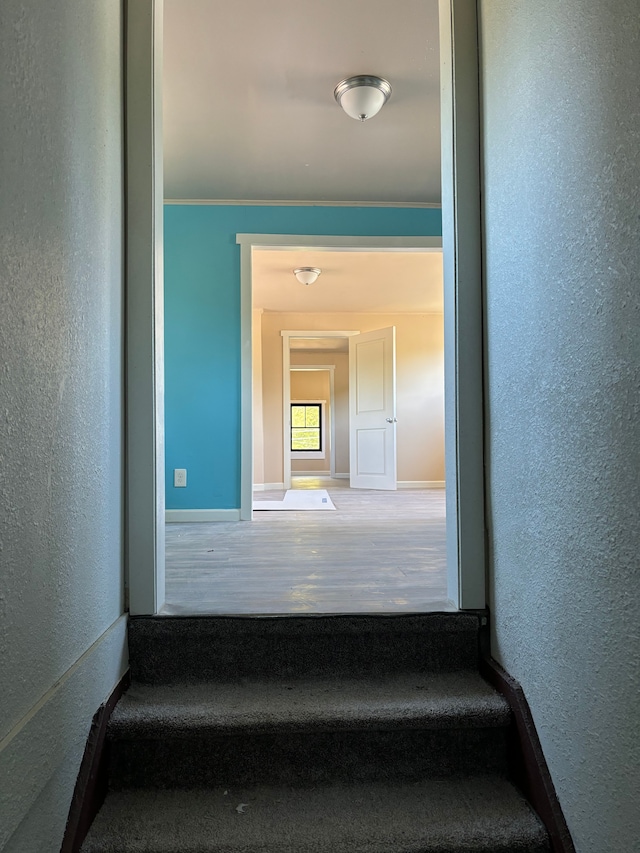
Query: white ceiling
[[350, 282], [249, 112]]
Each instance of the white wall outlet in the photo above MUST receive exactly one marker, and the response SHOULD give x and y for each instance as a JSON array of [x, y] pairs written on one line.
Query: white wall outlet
[[179, 477]]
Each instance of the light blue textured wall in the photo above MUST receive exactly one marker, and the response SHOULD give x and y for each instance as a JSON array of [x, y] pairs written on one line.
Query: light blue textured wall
[[61, 329], [202, 328], [561, 110]]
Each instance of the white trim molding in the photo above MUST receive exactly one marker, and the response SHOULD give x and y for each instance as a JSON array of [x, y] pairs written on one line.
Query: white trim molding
[[268, 487], [421, 484], [244, 202], [177, 516], [304, 333], [340, 243], [144, 286], [47, 740]]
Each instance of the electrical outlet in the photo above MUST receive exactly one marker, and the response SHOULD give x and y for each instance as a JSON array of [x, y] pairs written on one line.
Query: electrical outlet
[[179, 477]]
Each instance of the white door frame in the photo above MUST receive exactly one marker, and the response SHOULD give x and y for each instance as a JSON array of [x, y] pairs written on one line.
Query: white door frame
[[463, 309], [290, 242], [287, 335], [311, 368], [144, 298], [461, 241]]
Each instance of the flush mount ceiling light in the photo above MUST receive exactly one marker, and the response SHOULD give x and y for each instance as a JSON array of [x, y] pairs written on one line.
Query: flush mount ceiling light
[[307, 275], [362, 96]]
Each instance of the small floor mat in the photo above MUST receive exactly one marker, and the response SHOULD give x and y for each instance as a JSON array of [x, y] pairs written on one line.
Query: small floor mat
[[297, 500]]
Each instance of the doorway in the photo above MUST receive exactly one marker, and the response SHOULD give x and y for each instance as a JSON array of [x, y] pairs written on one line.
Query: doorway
[[312, 440], [398, 535], [365, 361], [463, 314], [372, 306]]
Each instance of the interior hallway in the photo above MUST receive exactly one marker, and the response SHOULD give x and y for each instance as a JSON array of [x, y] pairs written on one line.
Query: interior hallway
[[379, 552]]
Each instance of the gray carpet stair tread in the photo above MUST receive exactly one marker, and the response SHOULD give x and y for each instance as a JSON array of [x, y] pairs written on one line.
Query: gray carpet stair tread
[[477, 815], [438, 700]]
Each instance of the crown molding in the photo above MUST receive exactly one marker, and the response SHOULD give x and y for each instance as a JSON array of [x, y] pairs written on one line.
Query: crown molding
[[222, 202]]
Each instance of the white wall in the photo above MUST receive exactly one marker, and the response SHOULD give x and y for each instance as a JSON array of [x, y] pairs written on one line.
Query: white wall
[[561, 114], [62, 635]]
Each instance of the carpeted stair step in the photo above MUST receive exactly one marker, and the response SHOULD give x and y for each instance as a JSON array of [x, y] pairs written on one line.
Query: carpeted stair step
[[336, 734], [178, 649], [407, 700], [472, 815], [301, 732]]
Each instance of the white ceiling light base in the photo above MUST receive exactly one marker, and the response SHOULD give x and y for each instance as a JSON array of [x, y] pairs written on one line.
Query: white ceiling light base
[[362, 96], [307, 275]]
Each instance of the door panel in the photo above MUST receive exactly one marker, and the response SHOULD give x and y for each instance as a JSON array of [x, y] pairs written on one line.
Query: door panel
[[370, 387], [370, 446], [372, 409]]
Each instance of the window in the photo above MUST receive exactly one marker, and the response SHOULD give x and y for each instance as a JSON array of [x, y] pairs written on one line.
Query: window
[[306, 427]]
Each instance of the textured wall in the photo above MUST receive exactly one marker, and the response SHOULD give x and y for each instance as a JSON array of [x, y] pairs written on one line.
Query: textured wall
[[61, 385], [561, 115]]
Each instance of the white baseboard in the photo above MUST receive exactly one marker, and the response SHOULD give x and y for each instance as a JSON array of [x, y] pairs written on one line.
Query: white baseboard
[[421, 484], [173, 516], [267, 487], [46, 743]]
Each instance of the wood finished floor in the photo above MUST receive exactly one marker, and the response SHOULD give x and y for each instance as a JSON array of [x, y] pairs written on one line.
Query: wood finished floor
[[380, 552]]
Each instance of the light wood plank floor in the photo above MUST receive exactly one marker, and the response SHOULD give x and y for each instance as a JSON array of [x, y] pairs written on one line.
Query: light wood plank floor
[[380, 552]]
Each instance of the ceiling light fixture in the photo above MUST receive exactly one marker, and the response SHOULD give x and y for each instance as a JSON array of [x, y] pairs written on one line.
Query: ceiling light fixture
[[362, 96], [307, 275]]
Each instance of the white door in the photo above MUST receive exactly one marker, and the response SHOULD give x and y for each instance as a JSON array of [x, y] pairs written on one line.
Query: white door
[[372, 409]]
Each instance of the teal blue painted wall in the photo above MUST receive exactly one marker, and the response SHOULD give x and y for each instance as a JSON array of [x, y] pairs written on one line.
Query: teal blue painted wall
[[202, 328]]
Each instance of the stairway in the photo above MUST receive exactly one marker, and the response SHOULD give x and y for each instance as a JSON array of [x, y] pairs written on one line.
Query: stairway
[[339, 734]]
